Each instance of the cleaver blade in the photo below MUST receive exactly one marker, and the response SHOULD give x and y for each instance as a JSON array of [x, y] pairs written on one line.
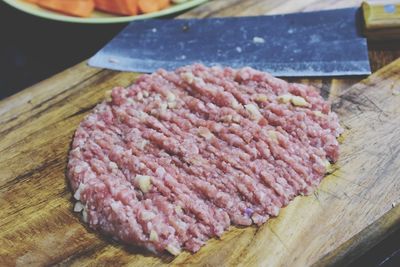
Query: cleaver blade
[[323, 43]]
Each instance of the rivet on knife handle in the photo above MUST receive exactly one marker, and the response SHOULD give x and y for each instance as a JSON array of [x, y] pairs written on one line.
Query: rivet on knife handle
[[381, 21]]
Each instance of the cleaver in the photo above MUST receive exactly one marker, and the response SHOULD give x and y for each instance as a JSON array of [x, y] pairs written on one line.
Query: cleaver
[[323, 43]]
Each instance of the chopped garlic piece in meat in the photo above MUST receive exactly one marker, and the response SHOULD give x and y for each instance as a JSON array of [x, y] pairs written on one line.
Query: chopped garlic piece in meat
[[142, 115], [84, 215], [284, 98], [319, 113], [275, 211], [153, 235], [171, 104], [205, 132], [163, 106], [113, 165], [236, 118], [273, 135], [78, 169], [253, 109], [115, 206], [235, 104], [299, 101], [327, 165], [78, 191], [188, 77], [139, 96], [178, 209], [142, 143], [226, 118], [148, 215], [78, 206], [174, 250], [261, 98], [144, 182], [171, 97]]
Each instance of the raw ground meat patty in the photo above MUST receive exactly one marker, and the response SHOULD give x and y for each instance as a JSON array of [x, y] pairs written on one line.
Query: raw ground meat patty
[[178, 157]]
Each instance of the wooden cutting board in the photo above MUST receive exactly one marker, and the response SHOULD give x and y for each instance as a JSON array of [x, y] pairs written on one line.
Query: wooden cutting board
[[354, 207]]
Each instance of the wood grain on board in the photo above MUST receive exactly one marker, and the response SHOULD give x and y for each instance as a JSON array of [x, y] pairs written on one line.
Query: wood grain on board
[[351, 211]]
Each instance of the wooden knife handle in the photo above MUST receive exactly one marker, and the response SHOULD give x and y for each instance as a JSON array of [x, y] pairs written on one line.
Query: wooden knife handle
[[381, 21]]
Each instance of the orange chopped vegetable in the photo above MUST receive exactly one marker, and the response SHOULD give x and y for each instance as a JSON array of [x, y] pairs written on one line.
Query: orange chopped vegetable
[[148, 6], [84, 8], [32, 1], [78, 8], [121, 7], [163, 4]]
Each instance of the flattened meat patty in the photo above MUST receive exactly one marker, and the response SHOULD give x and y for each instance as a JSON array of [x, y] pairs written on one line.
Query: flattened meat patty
[[178, 157]]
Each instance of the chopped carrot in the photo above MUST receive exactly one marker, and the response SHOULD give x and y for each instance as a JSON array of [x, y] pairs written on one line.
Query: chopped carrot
[[78, 8], [121, 7], [148, 6], [32, 1], [162, 4]]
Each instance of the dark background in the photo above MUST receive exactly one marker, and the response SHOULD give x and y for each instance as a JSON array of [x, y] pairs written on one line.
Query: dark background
[[32, 49]]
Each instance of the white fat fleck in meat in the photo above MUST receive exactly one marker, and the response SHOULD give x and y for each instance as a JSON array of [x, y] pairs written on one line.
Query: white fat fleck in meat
[[78, 206], [261, 98], [139, 96], [273, 135], [144, 182], [171, 105], [227, 118], [113, 165], [171, 97], [153, 235], [205, 132], [148, 215], [275, 211], [299, 101], [173, 249], [327, 165], [141, 144], [235, 104], [160, 171], [188, 77], [116, 206], [191, 79], [236, 118], [163, 107], [142, 115], [254, 111], [85, 215], [79, 190], [79, 169], [178, 209], [285, 98]]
